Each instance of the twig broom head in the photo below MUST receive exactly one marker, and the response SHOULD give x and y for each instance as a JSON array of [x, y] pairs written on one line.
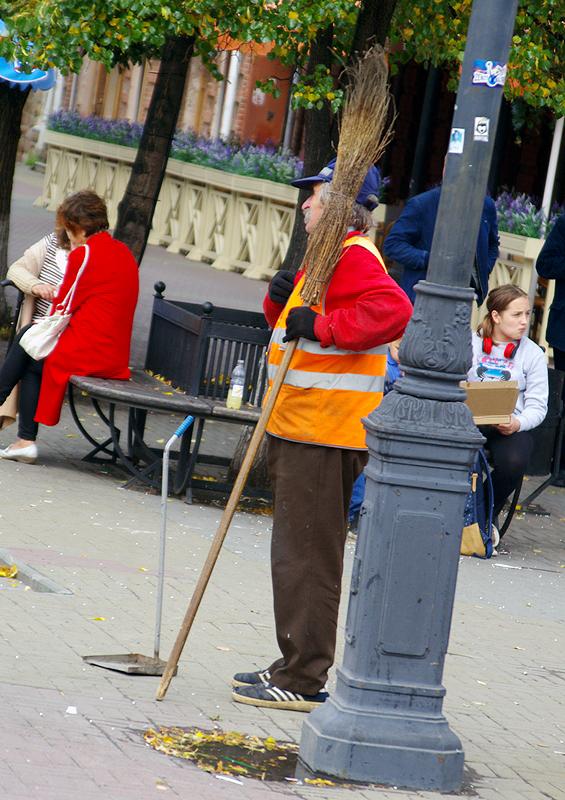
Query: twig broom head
[[364, 134]]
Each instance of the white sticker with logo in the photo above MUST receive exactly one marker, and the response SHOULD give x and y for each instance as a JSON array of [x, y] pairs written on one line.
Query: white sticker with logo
[[481, 129], [456, 140]]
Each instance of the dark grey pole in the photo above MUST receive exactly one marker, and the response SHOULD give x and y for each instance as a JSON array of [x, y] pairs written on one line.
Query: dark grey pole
[[384, 724]]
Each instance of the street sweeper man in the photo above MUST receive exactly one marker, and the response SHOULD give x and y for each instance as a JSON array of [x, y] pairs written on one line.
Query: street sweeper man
[[316, 442]]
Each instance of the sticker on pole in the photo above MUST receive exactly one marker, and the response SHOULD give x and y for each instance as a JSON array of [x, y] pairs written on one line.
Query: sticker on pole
[[481, 129], [489, 73], [456, 140]]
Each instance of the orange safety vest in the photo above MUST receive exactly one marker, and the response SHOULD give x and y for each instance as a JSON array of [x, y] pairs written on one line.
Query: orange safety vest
[[326, 391]]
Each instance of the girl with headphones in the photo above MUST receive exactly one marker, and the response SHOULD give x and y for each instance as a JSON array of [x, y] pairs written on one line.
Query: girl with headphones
[[503, 351]]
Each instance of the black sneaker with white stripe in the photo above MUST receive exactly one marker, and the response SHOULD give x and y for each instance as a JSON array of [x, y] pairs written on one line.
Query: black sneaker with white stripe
[[261, 677], [269, 696]]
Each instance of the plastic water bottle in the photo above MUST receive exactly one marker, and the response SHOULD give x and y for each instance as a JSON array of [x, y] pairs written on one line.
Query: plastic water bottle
[[237, 382]]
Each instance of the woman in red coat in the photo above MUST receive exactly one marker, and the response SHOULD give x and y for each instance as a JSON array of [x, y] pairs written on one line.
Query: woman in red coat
[[97, 339]]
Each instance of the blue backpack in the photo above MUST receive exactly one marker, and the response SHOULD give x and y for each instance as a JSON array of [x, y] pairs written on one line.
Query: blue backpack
[[477, 516]]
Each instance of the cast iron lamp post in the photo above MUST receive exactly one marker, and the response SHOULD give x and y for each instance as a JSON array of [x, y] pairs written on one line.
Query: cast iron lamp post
[[384, 724]]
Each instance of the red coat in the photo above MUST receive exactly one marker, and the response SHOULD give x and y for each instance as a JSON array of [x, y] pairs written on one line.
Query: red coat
[[363, 307], [97, 339]]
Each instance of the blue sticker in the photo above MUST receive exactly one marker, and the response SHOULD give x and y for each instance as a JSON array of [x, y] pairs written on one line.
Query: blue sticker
[[489, 73]]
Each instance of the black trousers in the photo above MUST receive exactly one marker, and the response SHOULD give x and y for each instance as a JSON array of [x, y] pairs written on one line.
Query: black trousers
[[21, 368], [509, 456], [312, 488]]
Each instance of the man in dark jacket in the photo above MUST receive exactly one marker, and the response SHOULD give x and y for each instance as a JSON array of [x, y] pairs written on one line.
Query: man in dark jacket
[[551, 264], [410, 241]]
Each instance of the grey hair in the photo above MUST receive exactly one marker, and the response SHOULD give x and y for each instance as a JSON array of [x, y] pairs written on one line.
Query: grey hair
[[361, 218]]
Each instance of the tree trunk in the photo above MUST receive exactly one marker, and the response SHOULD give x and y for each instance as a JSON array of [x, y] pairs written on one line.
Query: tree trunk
[[12, 103], [135, 212], [373, 24]]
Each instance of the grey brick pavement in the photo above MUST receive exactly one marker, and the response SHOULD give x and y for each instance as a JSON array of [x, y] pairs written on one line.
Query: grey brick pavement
[[505, 671]]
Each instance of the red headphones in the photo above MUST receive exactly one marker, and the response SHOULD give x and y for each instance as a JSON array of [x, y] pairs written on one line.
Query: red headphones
[[509, 351]]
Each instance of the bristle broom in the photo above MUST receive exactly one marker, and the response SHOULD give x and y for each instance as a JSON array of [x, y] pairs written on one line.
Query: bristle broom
[[366, 129]]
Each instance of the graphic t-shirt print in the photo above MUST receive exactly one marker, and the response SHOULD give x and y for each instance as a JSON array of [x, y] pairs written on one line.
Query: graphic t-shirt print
[[494, 368]]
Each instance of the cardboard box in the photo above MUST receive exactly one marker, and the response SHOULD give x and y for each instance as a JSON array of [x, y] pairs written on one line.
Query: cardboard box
[[491, 402]]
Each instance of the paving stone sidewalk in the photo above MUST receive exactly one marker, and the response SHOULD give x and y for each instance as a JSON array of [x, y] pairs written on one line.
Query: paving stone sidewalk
[[505, 670], [73, 523]]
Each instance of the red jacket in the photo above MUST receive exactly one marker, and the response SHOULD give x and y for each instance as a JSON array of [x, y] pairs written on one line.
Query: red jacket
[[364, 307], [97, 339]]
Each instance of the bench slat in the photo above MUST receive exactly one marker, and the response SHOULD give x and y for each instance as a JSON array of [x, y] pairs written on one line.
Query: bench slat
[[145, 392]]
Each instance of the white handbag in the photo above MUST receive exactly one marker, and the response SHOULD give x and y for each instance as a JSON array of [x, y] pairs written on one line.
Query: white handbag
[[41, 338]]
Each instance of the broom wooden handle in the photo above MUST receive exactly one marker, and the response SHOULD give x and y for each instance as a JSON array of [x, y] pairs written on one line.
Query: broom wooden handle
[[227, 517]]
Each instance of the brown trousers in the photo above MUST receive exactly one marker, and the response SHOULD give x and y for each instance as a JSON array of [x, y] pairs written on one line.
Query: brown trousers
[[312, 488]]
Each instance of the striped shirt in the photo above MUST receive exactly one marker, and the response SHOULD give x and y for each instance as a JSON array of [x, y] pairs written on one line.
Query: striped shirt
[[52, 272]]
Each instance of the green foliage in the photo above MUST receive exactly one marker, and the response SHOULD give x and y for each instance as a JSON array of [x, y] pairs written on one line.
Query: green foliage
[[115, 32], [435, 31], [31, 159], [122, 32], [126, 31], [311, 91]]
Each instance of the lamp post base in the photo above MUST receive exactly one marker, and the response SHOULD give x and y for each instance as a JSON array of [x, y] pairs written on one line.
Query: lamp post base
[[377, 748]]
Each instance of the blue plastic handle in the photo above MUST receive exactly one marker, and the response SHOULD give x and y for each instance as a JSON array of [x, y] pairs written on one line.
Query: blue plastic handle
[[184, 426]]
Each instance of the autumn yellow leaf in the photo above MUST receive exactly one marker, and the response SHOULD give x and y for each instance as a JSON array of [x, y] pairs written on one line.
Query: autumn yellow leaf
[[8, 571]]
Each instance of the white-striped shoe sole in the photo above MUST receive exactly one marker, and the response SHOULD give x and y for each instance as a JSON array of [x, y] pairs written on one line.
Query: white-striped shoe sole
[[278, 698], [284, 705]]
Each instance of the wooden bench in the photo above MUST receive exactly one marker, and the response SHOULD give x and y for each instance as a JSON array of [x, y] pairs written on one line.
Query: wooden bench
[[140, 394]]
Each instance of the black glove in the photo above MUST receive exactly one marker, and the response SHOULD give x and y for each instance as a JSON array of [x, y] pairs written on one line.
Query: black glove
[[300, 323], [281, 286]]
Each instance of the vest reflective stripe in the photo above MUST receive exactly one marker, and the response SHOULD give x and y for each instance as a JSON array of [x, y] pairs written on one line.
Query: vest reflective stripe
[[349, 363], [326, 391], [308, 346], [323, 380]]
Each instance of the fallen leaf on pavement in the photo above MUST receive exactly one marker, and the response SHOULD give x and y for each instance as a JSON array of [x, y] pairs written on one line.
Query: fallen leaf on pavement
[[8, 571]]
